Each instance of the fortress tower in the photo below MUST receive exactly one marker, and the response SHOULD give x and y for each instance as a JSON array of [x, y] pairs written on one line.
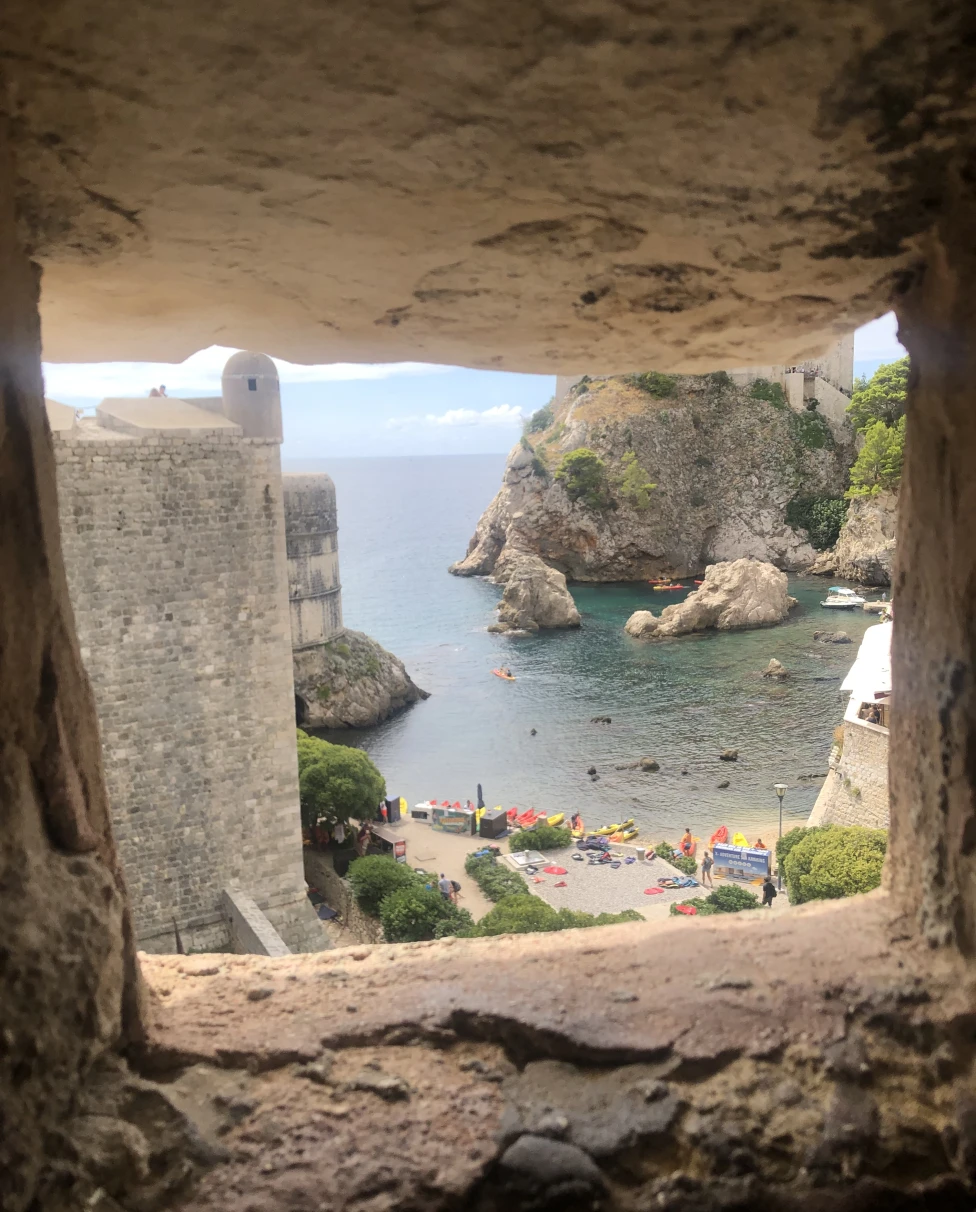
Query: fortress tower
[[311, 531], [173, 533]]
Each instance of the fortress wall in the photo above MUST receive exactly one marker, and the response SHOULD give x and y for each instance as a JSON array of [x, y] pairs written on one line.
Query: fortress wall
[[311, 534], [856, 790], [175, 554]]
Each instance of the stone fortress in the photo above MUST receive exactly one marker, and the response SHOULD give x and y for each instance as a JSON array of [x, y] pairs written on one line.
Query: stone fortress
[[824, 383], [173, 527]]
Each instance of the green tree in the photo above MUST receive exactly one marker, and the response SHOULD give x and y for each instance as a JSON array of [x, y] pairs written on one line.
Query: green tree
[[654, 383], [541, 419], [882, 398], [542, 837], [879, 464], [772, 393], [338, 784], [633, 484], [820, 517], [830, 863], [583, 474]]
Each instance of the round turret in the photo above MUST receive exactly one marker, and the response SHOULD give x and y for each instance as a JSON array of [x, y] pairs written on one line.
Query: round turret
[[311, 535], [252, 397]]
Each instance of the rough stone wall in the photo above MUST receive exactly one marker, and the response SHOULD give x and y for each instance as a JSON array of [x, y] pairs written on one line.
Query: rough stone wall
[[70, 987], [856, 789], [176, 564], [321, 874]]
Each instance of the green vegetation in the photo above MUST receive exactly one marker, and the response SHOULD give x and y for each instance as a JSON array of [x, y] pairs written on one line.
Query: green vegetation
[[772, 393], [686, 864], [810, 430], [541, 419], [879, 464], [634, 485], [820, 517], [413, 914], [721, 378], [830, 861], [583, 474], [882, 398], [542, 837], [375, 876], [343, 650], [654, 383], [578, 388], [336, 782], [494, 880], [527, 914], [730, 898]]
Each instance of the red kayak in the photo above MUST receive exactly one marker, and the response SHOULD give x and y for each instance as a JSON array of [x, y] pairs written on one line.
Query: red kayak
[[721, 835]]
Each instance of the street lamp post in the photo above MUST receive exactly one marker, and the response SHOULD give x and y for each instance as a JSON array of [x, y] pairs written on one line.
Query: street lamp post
[[780, 789]]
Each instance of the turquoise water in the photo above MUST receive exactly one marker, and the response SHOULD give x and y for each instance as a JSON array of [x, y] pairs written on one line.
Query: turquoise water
[[682, 701]]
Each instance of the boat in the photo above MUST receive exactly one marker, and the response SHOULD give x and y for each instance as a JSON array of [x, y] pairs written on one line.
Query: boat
[[720, 835], [664, 588], [739, 839], [506, 677], [624, 835], [556, 819], [606, 830], [699, 582], [840, 598]]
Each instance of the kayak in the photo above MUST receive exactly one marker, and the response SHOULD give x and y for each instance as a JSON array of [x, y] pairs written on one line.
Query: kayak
[[557, 819], [606, 830], [699, 582], [506, 677], [624, 836], [720, 835], [688, 849], [664, 588], [739, 839]]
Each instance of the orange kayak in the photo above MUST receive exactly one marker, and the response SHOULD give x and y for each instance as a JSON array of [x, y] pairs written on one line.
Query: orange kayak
[[720, 835], [506, 677]]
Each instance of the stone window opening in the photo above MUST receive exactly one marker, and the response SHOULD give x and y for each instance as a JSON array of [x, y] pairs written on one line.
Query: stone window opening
[[820, 1060], [252, 385]]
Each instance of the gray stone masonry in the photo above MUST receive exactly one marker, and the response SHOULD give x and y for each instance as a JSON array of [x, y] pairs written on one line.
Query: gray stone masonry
[[250, 931], [175, 553], [856, 788]]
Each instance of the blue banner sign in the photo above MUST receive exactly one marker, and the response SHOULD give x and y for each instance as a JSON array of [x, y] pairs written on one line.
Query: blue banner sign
[[742, 859]]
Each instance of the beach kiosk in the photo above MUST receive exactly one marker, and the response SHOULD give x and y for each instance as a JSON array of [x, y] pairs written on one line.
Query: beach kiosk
[[741, 862]]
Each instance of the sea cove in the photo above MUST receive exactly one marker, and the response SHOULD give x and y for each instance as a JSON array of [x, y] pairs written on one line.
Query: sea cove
[[403, 521]]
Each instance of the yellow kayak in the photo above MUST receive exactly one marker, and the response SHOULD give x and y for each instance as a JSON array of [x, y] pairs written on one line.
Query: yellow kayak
[[739, 839], [628, 834], [606, 830], [577, 832], [557, 819]]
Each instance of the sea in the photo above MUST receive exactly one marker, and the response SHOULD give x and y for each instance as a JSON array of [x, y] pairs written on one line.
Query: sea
[[531, 742]]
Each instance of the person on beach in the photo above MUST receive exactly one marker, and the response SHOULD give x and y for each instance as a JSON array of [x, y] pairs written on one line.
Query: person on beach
[[445, 886], [760, 844], [687, 842], [707, 864], [769, 891], [576, 821]]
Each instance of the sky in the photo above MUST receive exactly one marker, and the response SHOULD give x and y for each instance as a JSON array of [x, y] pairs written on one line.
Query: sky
[[398, 408]]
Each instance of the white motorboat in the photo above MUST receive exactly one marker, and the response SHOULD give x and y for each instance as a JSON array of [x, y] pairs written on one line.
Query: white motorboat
[[839, 598]]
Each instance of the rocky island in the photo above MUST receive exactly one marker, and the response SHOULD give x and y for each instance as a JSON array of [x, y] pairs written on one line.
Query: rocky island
[[734, 595], [351, 682], [865, 548], [630, 477]]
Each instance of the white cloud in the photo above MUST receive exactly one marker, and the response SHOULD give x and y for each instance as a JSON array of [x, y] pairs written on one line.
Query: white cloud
[[201, 373], [878, 341], [500, 415]]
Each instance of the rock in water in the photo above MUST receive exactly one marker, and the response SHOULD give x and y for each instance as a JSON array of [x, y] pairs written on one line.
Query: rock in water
[[866, 545], [832, 637], [351, 682], [729, 755], [649, 764], [775, 670], [736, 594], [535, 595]]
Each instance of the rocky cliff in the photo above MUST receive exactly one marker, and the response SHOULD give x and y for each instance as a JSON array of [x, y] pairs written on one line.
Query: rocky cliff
[[351, 682], [724, 462], [535, 595], [865, 548]]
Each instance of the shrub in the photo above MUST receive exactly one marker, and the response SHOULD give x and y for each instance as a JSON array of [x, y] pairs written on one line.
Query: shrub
[[377, 875], [634, 486], [772, 393], [811, 430], [494, 880], [583, 474], [417, 913], [542, 837], [687, 864], [881, 399], [732, 898], [792, 836], [835, 862], [578, 388], [878, 465], [697, 902], [527, 914], [721, 378], [541, 419], [820, 517], [337, 783], [654, 383]]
